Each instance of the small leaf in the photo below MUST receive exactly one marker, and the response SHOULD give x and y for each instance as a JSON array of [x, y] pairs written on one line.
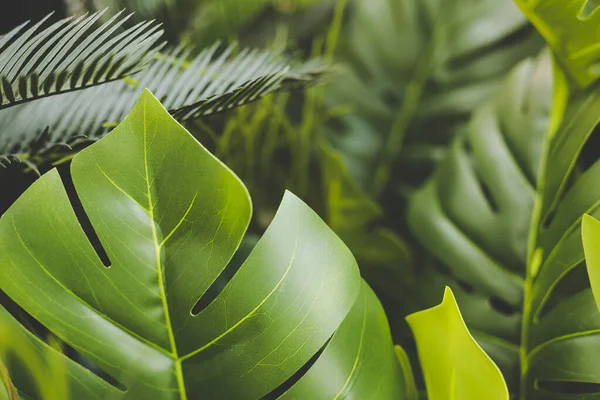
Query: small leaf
[[454, 365], [590, 231]]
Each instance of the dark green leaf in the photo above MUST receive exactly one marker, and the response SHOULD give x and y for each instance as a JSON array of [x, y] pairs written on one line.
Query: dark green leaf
[[474, 214], [212, 82], [70, 54]]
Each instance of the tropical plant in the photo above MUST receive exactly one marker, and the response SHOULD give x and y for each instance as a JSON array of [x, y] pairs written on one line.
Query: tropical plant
[[406, 106], [503, 213], [463, 165], [143, 310]]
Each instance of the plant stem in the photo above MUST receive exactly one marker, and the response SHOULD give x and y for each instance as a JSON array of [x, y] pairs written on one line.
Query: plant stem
[[405, 115], [534, 255], [314, 100]]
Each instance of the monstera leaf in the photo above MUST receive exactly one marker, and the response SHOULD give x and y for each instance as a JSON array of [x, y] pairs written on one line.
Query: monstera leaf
[[163, 218], [571, 29], [474, 214], [455, 367], [454, 53], [561, 319]]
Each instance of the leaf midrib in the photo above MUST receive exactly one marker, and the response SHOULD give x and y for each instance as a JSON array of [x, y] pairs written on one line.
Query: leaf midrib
[[157, 255]]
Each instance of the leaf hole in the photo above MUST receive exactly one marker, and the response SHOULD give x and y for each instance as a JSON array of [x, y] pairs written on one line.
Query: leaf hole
[[573, 282], [513, 39], [589, 8], [566, 387], [547, 221], [466, 286], [34, 327], [228, 272], [502, 306], [287, 385], [488, 195], [82, 217]]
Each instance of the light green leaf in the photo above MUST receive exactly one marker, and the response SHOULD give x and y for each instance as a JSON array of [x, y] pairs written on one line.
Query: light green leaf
[[571, 29], [590, 234], [454, 366], [170, 217]]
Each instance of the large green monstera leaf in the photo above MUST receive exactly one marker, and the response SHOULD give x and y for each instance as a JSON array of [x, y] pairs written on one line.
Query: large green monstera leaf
[[561, 321], [558, 338], [131, 290], [474, 214]]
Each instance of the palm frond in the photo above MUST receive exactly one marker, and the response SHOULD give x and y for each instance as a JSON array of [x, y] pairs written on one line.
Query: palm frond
[[71, 54], [211, 82]]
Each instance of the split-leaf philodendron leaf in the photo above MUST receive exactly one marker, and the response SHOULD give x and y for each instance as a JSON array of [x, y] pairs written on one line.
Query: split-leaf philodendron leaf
[[169, 217], [474, 214], [454, 366], [571, 29], [558, 331]]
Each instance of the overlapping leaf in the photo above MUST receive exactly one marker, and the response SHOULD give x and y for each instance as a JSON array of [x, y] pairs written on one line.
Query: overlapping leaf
[[474, 214], [71, 54], [170, 217]]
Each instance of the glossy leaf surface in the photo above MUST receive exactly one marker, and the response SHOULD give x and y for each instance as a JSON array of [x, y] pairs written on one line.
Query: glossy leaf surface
[[170, 217]]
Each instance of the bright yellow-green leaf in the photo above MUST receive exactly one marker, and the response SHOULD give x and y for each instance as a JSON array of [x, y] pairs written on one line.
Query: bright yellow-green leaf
[[571, 29], [454, 366], [590, 232]]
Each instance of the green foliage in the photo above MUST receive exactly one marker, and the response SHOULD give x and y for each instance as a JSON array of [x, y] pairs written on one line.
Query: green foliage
[[166, 284], [571, 29], [489, 247], [210, 83], [414, 90], [474, 213], [70, 55], [134, 314], [454, 365]]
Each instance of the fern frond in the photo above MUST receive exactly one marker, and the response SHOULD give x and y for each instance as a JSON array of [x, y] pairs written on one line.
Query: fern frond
[[70, 54], [212, 82]]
